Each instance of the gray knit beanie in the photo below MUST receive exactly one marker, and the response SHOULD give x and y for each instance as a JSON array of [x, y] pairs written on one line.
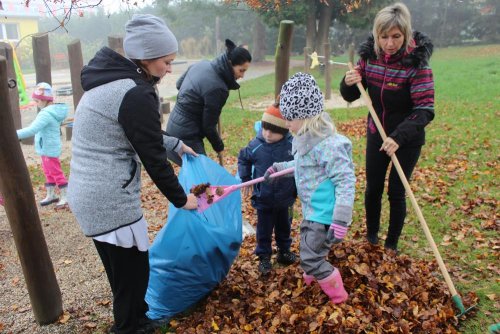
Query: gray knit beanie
[[300, 97], [148, 37]]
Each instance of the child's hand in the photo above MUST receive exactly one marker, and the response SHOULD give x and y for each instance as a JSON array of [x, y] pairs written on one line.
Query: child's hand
[[268, 173], [337, 232], [276, 167]]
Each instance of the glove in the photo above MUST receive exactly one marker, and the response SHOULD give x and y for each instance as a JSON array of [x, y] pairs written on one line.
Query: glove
[[276, 167], [337, 232], [267, 174]]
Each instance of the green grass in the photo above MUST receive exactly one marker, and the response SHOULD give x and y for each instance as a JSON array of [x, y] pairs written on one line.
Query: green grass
[[458, 188]]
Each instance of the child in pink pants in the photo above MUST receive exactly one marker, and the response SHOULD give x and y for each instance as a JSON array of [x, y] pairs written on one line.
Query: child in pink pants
[[46, 129]]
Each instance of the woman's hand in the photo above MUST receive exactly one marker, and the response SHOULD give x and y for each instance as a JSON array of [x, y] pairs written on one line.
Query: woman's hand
[[188, 150], [352, 77], [389, 146], [192, 202]]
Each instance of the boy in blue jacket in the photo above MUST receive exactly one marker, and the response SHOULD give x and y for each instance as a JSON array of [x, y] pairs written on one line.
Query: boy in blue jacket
[[47, 131], [272, 200]]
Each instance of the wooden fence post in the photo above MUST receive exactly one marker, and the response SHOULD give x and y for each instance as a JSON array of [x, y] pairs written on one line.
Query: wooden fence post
[[282, 57], [328, 72], [22, 213], [115, 42], [75, 67], [41, 58], [7, 52]]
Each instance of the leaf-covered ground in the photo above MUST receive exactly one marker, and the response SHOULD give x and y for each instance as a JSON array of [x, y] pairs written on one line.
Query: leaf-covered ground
[[388, 293]]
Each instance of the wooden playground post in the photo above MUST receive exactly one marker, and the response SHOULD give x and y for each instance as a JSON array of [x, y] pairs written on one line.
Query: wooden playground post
[[7, 52], [282, 57], [307, 59], [22, 213], [75, 67], [115, 42], [41, 58], [328, 74]]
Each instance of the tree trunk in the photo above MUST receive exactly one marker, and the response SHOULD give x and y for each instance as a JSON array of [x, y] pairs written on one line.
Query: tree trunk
[[282, 58], [311, 28], [328, 74], [325, 18], [259, 40], [218, 44], [20, 206]]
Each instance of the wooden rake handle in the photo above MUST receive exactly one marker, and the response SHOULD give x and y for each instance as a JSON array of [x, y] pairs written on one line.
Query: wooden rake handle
[[404, 180]]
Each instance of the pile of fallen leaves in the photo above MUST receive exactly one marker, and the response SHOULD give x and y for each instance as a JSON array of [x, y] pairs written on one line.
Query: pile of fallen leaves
[[388, 293]]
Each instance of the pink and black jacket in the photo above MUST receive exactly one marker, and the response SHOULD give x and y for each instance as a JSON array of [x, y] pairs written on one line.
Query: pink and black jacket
[[401, 88]]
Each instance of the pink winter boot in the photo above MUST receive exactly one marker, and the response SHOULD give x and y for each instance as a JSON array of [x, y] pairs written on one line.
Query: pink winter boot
[[308, 279], [333, 287]]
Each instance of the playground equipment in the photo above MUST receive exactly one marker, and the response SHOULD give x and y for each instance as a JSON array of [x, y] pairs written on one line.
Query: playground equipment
[[315, 61], [21, 84]]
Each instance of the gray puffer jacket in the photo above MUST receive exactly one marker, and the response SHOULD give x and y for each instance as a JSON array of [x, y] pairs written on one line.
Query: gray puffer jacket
[[203, 91]]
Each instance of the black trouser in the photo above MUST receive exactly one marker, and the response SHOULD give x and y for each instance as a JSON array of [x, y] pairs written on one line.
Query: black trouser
[[128, 274], [377, 163], [279, 220], [196, 144]]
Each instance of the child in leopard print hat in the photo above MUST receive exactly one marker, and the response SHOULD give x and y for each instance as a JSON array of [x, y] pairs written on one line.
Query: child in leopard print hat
[[325, 180]]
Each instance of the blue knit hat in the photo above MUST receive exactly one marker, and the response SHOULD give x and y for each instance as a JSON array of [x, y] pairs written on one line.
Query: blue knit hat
[[148, 37]]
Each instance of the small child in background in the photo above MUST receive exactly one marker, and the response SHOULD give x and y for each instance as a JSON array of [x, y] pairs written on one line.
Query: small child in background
[[47, 131], [273, 201], [325, 179]]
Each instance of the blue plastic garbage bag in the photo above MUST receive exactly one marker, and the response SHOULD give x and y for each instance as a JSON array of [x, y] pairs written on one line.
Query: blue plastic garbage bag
[[194, 251]]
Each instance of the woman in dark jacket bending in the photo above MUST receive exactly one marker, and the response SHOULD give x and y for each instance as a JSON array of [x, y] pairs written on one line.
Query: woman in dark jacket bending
[[394, 68], [203, 91]]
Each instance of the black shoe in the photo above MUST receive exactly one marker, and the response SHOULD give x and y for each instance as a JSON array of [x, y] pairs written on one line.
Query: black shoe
[[286, 257], [372, 238], [149, 326], [391, 246], [265, 265]]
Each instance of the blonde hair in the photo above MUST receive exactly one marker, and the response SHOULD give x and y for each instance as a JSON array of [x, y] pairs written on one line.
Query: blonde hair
[[316, 125], [394, 16]]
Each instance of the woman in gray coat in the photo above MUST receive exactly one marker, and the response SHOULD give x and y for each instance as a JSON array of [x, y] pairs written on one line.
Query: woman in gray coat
[[116, 130], [203, 91]]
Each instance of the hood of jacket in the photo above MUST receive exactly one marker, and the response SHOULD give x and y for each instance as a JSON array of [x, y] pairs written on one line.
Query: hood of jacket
[[107, 66], [57, 110], [418, 55], [225, 71]]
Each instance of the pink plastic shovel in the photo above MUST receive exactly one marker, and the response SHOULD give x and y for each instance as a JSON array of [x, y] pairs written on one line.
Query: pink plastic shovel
[[217, 193]]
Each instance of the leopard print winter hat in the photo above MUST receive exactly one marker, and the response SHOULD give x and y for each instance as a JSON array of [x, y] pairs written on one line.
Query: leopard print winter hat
[[300, 97]]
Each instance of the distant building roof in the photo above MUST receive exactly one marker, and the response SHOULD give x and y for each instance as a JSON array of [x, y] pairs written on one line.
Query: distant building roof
[[18, 9]]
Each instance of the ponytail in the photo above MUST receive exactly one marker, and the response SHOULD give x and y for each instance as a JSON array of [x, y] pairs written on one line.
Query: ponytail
[[237, 55]]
